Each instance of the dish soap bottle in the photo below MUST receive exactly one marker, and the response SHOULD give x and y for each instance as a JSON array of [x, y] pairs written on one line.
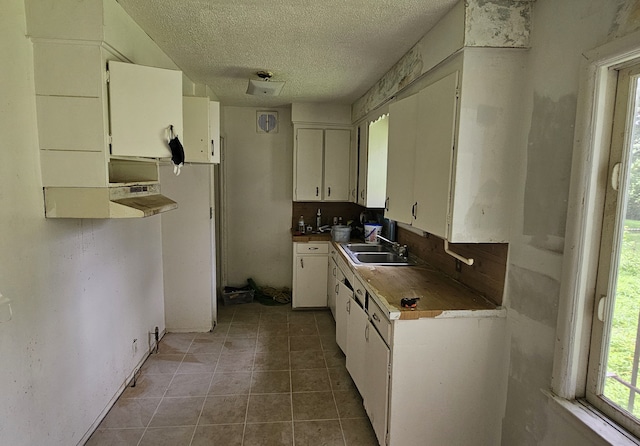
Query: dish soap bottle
[[318, 220], [301, 225]]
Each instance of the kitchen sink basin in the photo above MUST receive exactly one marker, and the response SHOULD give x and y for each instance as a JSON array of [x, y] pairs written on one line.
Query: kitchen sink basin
[[380, 258], [371, 254], [366, 247]]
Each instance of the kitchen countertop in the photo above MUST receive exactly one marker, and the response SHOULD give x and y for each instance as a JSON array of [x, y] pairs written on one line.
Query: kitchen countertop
[[440, 296], [313, 237]]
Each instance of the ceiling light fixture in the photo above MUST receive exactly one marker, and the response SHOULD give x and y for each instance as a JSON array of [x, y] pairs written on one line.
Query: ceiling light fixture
[[265, 86]]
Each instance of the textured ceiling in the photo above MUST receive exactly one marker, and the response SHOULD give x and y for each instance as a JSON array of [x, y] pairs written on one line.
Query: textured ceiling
[[325, 50]]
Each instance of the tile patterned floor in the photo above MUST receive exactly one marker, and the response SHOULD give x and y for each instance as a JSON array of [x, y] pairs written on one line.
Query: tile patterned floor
[[266, 376]]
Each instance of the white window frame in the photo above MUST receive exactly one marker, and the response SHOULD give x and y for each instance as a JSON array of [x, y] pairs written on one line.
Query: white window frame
[[597, 90]]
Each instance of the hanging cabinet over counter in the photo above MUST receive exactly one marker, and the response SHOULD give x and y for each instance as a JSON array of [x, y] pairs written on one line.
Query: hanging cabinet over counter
[[322, 152], [201, 130], [451, 147]]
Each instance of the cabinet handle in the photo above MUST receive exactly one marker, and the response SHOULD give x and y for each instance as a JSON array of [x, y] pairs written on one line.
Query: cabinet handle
[[212, 149], [386, 204], [313, 248], [359, 291], [337, 288], [348, 306], [362, 194], [375, 317], [329, 191], [366, 333], [413, 209], [334, 271], [317, 191], [302, 263]]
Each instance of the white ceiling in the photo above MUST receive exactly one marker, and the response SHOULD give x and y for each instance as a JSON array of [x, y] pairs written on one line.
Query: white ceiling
[[325, 50]]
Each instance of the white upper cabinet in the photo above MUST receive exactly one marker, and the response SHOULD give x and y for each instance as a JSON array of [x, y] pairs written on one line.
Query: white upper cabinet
[[434, 152], [143, 103], [322, 164], [84, 109], [323, 168], [336, 164], [372, 162], [458, 133], [308, 165], [403, 119], [201, 139]]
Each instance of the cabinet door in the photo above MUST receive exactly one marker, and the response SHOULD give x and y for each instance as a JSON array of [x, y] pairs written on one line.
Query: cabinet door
[[336, 164], [331, 286], [353, 166], [356, 345], [434, 154], [309, 156], [377, 382], [377, 148], [214, 131], [403, 124], [363, 135], [310, 281], [343, 300], [196, 140], [143, 103]]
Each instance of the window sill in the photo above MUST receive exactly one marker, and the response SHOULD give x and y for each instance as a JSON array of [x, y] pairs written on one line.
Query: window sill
[[592, 421]]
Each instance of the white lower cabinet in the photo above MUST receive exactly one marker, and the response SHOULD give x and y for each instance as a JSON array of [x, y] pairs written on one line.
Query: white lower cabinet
[[419, 378], [332, 290], [368, 358], [376, 396], [310, 268], [357, 322], [343, 301]]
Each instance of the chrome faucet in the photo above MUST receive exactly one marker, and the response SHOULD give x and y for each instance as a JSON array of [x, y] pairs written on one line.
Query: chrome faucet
[[401, 250]]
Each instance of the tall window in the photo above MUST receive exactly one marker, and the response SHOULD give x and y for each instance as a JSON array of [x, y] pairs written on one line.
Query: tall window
[[613, 383]]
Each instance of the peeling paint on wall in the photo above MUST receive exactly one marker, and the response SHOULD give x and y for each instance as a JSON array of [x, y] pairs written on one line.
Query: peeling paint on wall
[[627, 19], [479, 23], [497, 23], [549, 166], [405, 71]]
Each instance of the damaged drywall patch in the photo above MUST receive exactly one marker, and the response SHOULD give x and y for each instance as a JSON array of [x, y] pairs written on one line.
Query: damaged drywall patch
[[526, 413], [548, 169], [497, 23], [533, 295], [627, 19], [530, 369], [405, 71]]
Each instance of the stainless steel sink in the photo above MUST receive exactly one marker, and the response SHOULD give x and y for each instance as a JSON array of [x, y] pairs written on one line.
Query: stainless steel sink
[[366, 247], [369, 254]]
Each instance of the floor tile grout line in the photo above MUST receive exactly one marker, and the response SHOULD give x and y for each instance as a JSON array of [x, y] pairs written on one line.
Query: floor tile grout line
[[165, 392], [246, 412], [333, 393], [215, 368], [293, 426]]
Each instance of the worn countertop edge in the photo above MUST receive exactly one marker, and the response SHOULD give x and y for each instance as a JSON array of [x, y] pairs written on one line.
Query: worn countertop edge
[[499, 312], [394, 313]]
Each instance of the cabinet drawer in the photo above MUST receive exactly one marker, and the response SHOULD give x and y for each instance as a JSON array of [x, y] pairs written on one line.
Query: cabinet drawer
[[359, 292], [346, 271], [312, 248], [379, 320]]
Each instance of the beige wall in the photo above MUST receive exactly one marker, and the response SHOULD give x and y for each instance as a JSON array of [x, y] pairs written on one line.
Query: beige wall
[[258, 176], [559, 37], [81, 290]]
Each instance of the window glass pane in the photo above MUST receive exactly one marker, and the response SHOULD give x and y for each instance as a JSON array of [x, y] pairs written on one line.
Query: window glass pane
[[622, 383]]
